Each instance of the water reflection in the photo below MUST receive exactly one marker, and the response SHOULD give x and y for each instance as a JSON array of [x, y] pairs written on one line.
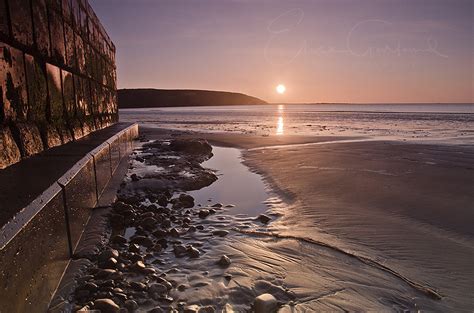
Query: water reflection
[[280, 124]]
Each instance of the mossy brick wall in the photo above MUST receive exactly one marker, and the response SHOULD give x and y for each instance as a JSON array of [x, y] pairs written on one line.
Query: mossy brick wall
[[57, 75]]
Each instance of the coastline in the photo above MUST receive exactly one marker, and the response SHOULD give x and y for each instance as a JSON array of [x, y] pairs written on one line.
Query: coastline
[[405, 185], [343, 234]]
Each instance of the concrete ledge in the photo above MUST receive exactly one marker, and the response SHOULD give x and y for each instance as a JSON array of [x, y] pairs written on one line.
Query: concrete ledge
[[38, 238]]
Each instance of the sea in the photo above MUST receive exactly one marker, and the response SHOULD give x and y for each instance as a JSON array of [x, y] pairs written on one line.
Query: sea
[[447, 123]]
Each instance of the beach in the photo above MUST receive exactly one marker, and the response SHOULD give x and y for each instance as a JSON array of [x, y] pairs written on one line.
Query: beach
[[404, 206], [206, 221]]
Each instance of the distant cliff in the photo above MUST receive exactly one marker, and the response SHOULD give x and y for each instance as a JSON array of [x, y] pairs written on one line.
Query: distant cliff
[[150, 98]]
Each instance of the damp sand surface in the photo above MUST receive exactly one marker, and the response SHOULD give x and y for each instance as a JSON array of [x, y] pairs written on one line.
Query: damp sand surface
[[363, 225]]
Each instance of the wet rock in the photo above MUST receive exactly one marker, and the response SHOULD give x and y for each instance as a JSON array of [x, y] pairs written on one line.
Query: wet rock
[[160, 233], [224, 261], [131, 305], [220, 233], [207, 309], [107, 254], [193, 252], [135, 177], [174, 232], [157, 248], [191, 229], [142, 241], [179, 250], [181, 287], [110, 263], [186, 201], [164, 282], [204, 213], [106, 273], [264, 219], [106, 306], [138, 266], [138, 286], [191, 309], [135, 257], [134, 248], [192, 146], [265, 303], [157, 288], [148, 222], [156, 310], [228, 276], [217, 205], [89, 286], [119, 239]]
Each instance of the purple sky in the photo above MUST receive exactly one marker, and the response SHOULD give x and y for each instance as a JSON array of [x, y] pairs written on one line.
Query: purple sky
[[321, 50]]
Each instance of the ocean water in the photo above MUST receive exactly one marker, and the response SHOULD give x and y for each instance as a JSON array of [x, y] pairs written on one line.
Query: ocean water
[[449, 123]]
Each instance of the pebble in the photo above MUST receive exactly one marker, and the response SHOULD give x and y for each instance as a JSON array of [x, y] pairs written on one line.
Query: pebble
[[203, 213], [265, 303], [131, 305], [137, 286], [264, 218], [193, 252], [157, 288], [217, 205], [179, 250], [119, 239], [134, 248], [224, 261], [191, 309], [106, 306], [220, 233], [111, 263], [107, 254], [137, 266]]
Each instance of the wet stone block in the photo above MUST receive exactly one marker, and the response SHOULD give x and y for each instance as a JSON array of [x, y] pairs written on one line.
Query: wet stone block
[[80, 57], [4, 19], [41, 31], [114, 154], [83, 24], [65, 133], [81, 107], [14, 104], [68, 94], [55, 94], [66, 6], [76, 128], [20, 15], [30, 139], [9, 152], [102, 167], [81, 197], [50, 135], [37, 89], [76, 17], [58, 49], [70, 49], [33, 261]]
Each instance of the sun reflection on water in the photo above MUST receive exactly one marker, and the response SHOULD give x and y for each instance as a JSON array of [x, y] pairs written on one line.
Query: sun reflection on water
[[280, 124]]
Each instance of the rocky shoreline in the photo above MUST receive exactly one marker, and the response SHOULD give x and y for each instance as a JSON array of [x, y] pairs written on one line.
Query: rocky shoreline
[[162, 255]]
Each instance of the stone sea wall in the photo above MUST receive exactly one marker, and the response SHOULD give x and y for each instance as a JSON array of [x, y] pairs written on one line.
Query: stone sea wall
[[57, 75]]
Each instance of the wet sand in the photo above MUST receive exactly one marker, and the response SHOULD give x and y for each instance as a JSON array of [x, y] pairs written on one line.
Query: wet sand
[[406, 207]]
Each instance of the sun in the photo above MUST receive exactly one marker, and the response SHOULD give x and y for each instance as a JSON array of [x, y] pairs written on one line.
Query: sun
[[281, 89]]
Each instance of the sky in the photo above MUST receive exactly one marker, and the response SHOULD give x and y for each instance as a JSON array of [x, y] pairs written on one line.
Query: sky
[[357, 51]]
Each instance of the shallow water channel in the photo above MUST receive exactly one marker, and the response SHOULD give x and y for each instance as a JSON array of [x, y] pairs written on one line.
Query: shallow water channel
[[236, 185]]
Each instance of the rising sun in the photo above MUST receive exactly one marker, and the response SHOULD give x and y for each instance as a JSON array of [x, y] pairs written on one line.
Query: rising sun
[[281, 89]]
